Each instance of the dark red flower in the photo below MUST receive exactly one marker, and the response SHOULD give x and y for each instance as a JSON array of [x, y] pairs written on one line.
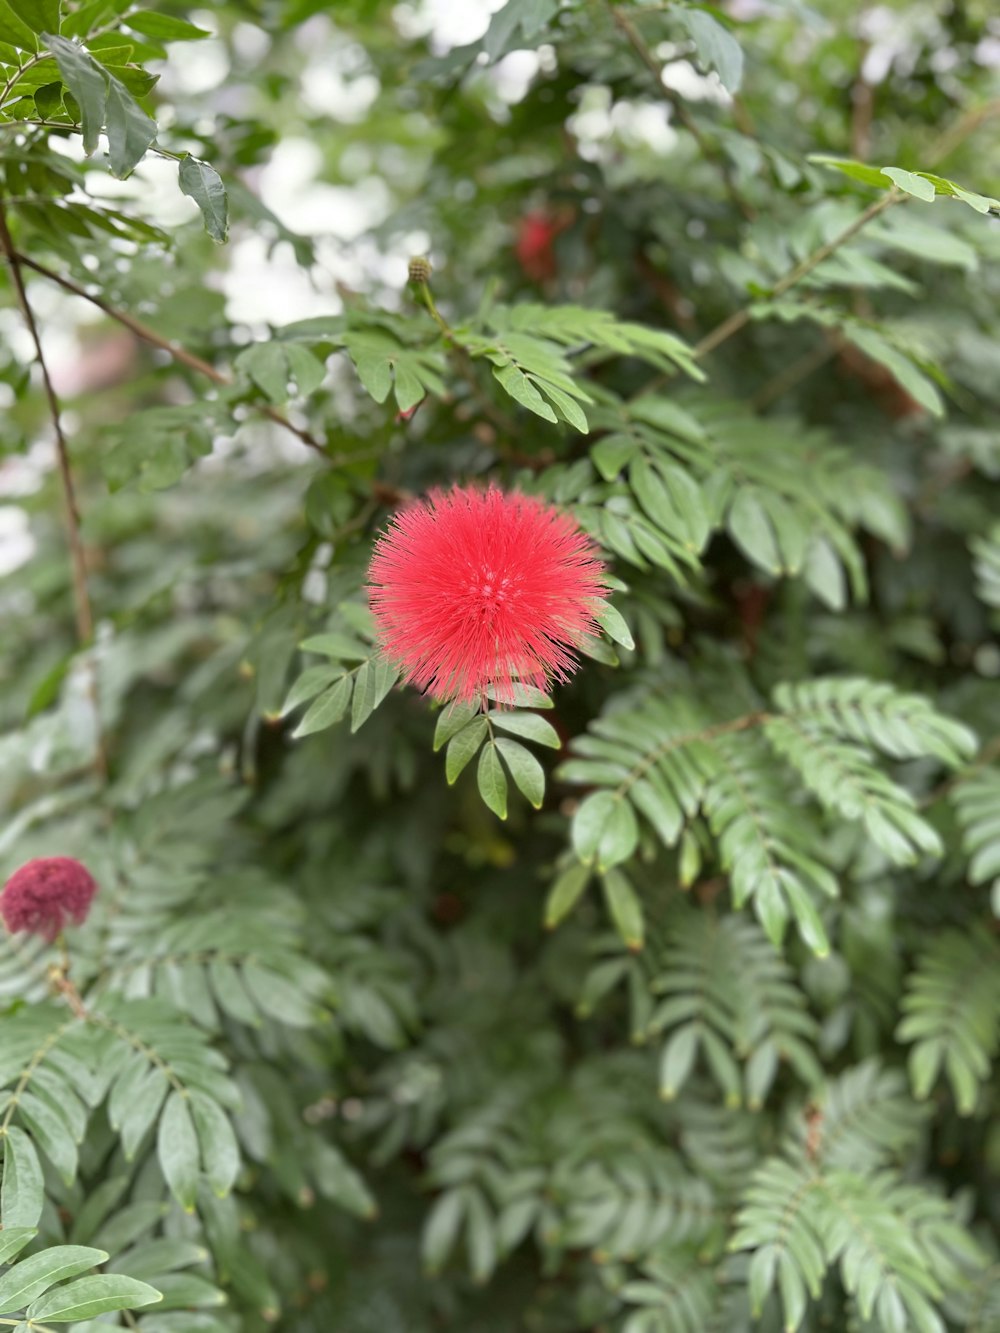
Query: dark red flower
[[44, 893], [534, 245], [475, 588]]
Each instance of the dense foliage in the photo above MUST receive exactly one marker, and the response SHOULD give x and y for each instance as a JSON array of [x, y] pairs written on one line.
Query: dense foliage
[[665, 1002]]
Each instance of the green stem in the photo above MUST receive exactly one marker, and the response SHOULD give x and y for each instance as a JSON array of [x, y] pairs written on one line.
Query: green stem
[[427, 301], [29, 1071], [137, 1044], [35, 60]]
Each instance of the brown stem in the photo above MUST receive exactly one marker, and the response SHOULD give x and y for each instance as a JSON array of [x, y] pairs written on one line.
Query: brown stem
[[801, 368], [862, 98], [966, 124], [78, 562], [709, 150], [179, 354], [81, 597]]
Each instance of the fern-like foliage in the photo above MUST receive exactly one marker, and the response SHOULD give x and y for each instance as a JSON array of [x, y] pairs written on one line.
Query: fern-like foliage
[[830, 733], [724, 997], [672, 1294], [986, 555], [578, 1169], [892, 1243], [977, 801], [897, 1247], [622, 1203], [155, 1072], [786, 496], [952, 1015]]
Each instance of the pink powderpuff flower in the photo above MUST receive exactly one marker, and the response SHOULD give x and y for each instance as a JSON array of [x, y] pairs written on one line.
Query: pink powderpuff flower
[[473, 589], [44, 893]]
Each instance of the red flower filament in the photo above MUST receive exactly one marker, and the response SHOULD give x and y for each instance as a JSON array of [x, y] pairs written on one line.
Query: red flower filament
[[475, 589], [44, 894]]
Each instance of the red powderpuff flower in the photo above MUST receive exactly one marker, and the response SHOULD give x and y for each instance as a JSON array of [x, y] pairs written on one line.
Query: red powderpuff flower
[[472, 589], [44, 893]]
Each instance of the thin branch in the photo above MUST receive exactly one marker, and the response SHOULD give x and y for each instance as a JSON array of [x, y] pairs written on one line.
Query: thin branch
[[81, 596], [179, 353], [966, 124], [860, 134], [78, 562], [801, 368], [740, 318], [946, 144], [709, 150]]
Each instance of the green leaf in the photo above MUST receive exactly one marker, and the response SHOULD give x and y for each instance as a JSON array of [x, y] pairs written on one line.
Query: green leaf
[[875, 345], [146, 1096], [92, 1296], [219, 1150], [677, 1060], [313, 681], [751, 529], [614, 626], [456, 715], [336, 1179], [278, 997], [565, 894], [523, 391], [922, 185], [441, 1229], [22, 1193], [825, 574], [328, 709], [13, 1240], [203, 184], [527, 772], [87, 81], [177, 1151], [21, 1284], [230, 992], [372, 683], [463, 746], [267, 365], [164, 27], [910, 183], [130, 130], [342, 647], [516, 16], [717, 47], [380, 359], [604, 830], [624, 907], [519, 695], [491, 780], [49, 100], [51, 1134], [529, 725], [858, 171], [41, 16], [567, 407], [612, 454], [15, 31]]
